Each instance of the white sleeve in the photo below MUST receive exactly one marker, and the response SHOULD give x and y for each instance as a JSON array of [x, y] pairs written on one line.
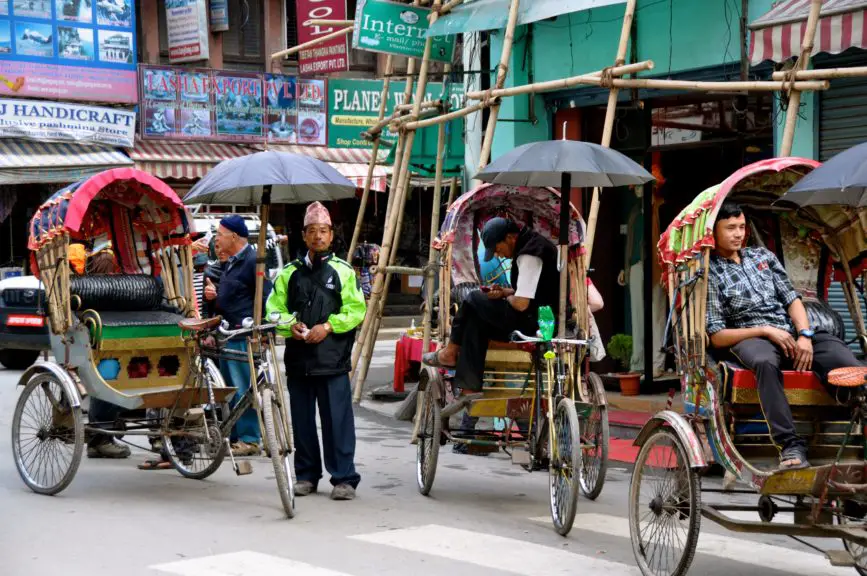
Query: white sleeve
[[529, 271]]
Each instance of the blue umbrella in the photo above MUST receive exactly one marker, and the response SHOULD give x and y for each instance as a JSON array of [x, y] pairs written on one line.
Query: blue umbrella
[[271, 177], [842, 180]]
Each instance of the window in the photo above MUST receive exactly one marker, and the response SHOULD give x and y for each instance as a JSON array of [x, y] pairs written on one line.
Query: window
[[243, 42]]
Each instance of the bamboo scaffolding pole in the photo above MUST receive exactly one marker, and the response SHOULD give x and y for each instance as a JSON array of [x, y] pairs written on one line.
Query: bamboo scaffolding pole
[[371, 165], [378, 296], [397, 124], [449, 6], [502, 72], [320, 22], [375, 130], [453, 187], [438, 120], [801, 64], [822, 73], [310, 44]]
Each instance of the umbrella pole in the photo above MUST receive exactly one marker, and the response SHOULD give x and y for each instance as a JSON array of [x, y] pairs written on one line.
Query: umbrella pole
[[264, 211], [565, 190], [383, 101], [608, 128], [801, 64]]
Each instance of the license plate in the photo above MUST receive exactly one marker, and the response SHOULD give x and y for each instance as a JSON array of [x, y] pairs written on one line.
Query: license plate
[[25, 320]]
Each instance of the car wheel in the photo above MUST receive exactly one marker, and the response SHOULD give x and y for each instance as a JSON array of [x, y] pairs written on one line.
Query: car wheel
[[18, 359]]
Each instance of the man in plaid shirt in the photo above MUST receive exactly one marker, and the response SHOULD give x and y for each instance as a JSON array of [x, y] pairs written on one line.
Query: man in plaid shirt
[[754, 313]]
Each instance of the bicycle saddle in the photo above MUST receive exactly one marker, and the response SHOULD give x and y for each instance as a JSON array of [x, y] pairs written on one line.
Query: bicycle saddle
[[194, 325]]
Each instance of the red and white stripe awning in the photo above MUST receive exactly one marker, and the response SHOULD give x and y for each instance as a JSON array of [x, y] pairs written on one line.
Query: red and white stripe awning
[[351, 162], [183, 160], [778, 34]]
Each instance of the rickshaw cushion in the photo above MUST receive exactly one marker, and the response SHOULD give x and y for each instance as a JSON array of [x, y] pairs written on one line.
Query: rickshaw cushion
[[801, 388], [120, 292], [140, 324]]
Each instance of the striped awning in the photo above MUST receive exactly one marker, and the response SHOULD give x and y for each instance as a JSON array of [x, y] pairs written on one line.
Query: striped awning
[[31, 162], [183, 160], [777, 35], [358, 173], [343, 155]]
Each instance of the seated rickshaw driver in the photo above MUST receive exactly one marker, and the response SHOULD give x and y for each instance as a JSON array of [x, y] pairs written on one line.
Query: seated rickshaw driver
[[496, 314], [754, 313]]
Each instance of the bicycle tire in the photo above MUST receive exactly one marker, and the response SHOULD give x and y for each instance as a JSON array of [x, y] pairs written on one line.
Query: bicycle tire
[[271, 418]]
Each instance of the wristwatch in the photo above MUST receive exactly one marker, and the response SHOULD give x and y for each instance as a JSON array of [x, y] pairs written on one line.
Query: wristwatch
[[807, 333]]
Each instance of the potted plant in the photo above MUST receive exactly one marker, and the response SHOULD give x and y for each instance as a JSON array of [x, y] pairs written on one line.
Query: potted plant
[[620, 348]]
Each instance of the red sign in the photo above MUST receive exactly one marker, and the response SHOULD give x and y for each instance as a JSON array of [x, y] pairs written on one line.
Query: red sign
[[331, 55], [25, 320]]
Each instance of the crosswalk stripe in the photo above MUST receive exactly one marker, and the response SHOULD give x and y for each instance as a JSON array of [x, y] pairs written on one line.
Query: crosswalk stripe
[[243, 563], [737, 549], [494, 552]]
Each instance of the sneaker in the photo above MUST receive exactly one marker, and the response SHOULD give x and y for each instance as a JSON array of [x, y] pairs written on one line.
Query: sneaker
[[342, 492], [305, 488], [108, 450], [244, 449]]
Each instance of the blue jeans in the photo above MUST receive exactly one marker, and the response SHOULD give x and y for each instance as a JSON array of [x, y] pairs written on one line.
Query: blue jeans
[[237, 374]]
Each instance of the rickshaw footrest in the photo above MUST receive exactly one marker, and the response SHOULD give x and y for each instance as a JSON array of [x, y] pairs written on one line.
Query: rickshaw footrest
[[840, 558], [521, 457], [243, 467]]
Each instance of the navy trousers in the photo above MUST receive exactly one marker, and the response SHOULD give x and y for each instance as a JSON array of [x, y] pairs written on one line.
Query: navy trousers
[[333, 394]]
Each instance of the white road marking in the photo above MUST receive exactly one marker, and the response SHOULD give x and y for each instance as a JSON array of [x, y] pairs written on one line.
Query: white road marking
[[244, 563], [736, 549], [495, 552]]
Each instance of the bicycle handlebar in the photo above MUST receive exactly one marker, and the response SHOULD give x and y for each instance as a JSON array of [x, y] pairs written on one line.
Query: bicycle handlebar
[[229, 334], [518, 336]]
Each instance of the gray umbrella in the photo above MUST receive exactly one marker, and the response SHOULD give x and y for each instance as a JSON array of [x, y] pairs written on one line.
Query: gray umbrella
[[291, 179], [840, 180], [564, 164]]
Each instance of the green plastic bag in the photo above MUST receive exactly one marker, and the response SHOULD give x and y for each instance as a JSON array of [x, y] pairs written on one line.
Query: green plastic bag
[[546, 323]]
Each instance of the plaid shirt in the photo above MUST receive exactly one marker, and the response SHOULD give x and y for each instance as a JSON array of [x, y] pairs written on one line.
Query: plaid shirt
[[756, 292]]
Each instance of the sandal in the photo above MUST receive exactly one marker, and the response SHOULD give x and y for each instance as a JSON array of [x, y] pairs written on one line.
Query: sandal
[[155, 465], [432, 359], [794, 453]]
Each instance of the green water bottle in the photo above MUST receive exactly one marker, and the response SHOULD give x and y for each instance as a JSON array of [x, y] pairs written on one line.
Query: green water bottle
[[546, 323]]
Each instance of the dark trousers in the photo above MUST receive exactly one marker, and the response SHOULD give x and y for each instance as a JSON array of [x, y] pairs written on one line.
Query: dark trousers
[[334, 396], [766, 360], [104, 413], [478, 321]]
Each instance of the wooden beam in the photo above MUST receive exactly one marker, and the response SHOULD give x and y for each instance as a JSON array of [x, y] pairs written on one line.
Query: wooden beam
[[311, 44]]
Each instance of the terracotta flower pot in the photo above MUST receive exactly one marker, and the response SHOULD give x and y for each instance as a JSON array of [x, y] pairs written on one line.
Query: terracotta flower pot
[[630, 383]]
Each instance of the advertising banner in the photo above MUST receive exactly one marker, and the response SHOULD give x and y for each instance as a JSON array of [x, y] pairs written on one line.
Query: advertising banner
[[199, 104], [219, 15], [60, 122], [399, 29], [68, 50], [187, 29], [330, 56], [354, 107]]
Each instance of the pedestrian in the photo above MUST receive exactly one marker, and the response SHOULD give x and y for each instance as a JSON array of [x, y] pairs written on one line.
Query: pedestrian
[[233, 299], [326, 295]]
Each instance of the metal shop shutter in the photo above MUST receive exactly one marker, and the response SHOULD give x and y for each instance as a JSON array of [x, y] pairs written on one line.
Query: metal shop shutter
[[838, 302]]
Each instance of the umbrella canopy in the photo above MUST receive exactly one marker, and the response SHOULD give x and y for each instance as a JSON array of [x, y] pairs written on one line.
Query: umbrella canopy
[[292, 178], [842, 180], [544, 163]]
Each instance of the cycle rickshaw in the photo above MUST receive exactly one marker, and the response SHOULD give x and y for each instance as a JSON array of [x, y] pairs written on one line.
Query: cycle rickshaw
[[723, 422], [133, 339], [548, 412]]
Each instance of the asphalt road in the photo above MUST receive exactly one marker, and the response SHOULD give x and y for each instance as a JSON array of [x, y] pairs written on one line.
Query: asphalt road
[[484, 516]]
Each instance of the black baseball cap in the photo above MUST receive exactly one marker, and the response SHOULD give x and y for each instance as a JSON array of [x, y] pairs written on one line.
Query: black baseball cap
[[494, 232]]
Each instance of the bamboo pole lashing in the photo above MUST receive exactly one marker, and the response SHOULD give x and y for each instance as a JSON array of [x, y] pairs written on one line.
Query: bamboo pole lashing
[[449, 6], [310, 44], [821, 73], [801, 64], [444, 118]]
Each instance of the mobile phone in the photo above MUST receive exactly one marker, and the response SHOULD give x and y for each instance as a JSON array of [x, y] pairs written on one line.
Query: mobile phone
[[485, 288]]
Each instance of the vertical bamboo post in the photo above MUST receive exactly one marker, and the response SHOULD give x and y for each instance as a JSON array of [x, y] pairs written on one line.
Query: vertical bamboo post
[[608, 128], [389, 68], [366, 342], [502, 72], [801, 64], [453, 186]]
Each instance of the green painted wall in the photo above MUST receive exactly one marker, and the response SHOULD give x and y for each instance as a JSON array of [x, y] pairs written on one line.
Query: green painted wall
[[677, 35], [805, 144]]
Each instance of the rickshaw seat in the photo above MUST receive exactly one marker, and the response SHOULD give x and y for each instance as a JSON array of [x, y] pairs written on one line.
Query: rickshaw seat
[[142, 319], [801, 388]]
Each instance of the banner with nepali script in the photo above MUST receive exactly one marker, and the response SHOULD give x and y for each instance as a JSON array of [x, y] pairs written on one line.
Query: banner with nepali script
[[220, 105]]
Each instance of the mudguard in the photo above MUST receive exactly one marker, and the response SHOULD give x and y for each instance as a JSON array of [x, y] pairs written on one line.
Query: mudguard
[[681, 428]]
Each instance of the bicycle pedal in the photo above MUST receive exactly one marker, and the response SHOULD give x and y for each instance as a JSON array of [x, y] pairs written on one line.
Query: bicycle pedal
[[521, 457], [243, 467]]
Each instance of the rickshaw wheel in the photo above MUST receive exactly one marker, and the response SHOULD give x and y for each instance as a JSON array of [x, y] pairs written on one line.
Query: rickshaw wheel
[[196, 459], [858, 552], [47, 435], [428, 448], [595, 434], [272, 420], [565, 466], [664, 502]]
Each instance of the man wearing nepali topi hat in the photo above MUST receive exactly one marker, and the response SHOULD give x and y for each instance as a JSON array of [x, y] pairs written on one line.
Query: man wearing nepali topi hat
[[326, 296], [233, 299]]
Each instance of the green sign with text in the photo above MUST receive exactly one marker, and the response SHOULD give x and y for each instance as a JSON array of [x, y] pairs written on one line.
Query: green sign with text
[[394, 28]]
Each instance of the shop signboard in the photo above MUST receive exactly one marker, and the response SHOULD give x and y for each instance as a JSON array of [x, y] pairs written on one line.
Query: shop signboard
[[354, 107], [399, 29], [64, 122], [331, 55], [68, 50], [181, 103], [219, 15], [187, 30]]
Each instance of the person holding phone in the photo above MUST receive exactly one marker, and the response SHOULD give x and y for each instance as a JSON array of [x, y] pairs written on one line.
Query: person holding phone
[[494, 312]]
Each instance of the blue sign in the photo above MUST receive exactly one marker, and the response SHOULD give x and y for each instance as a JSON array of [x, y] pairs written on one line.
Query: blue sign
[[68, 50], [219, 15]]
